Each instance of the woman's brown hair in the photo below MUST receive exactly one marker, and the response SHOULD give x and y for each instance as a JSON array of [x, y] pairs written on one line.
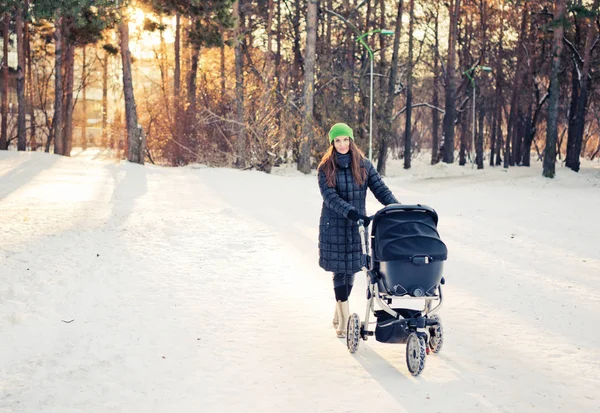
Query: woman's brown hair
[[328, 165]]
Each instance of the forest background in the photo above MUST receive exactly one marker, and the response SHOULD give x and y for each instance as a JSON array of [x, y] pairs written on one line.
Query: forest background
[[257, 83]]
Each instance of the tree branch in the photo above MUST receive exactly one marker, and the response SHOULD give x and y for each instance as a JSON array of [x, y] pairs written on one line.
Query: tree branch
[[418, 105], [575, 52], [595, 43], [339, 16]]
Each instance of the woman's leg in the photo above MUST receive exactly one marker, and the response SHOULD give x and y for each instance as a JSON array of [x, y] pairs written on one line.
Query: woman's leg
[[342, 286], [337, 282]]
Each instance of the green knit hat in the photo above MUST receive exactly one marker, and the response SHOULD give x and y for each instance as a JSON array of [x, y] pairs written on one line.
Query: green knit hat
[[340, 129]]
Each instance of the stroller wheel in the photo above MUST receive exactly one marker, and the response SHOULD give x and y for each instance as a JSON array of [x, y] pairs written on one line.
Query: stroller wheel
[[436, 335], [353, 332], [416, 351]]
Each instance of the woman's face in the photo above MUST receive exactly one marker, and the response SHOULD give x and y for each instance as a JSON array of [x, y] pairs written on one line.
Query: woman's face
[[342, 144]]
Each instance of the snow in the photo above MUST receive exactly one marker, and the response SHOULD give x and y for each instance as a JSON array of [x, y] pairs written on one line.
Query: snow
[[128, 288]]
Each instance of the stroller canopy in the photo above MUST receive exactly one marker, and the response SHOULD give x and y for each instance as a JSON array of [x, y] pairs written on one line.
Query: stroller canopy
[[401, 232]]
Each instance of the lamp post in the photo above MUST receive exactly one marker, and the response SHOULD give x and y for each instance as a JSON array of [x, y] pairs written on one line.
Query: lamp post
[[471, 72], [361, 40]]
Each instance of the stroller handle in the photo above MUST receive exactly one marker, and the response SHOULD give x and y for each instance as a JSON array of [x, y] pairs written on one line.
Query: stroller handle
[[398, 208], [362, 232]]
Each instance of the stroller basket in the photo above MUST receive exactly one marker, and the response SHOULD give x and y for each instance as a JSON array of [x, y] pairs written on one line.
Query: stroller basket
[[390, 330], [408, 253]]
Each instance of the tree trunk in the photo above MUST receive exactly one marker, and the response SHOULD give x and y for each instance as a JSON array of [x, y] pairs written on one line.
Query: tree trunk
[[164, 67], [479, 141], [532, 96], [510, 156], [499, 100], [552, 127], [269, 30], [297, 62], [499, 136], [575, 90], [32, 133], [21, 129], [581, 106], [57, 120], [4, 107], [177, 71], [386, 126], [239, 85], [528, 137], [409, 80], [69, 63], [464, 120], [464, 137], [382, 55], [450, 106], [348, 86], [278, 63], [493, 138], [83, 101], [309, 86], [136, 144], [191, 87], [105, 99], [222, 65], [435, 116], [483, 96]]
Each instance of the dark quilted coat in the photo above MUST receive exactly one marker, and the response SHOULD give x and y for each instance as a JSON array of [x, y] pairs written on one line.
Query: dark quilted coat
[[339, 242]]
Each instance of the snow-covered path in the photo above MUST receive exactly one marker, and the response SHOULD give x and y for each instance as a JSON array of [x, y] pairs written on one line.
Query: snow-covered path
[[197, 289]]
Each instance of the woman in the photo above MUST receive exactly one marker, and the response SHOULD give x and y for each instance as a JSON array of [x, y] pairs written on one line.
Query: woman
[[344, 175]]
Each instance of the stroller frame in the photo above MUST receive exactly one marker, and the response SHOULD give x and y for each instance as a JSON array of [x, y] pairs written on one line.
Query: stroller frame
[[420, 341]]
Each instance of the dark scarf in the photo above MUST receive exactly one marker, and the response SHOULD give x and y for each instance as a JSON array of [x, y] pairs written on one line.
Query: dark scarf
[[343, 161]]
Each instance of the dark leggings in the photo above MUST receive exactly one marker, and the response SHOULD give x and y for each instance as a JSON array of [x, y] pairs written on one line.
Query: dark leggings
[[342, 285]]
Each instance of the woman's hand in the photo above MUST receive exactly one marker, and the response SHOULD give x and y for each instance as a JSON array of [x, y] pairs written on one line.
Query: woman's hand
[[355, 216]]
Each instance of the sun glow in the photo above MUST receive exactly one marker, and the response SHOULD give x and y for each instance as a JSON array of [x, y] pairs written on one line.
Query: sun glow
[[144, 43]]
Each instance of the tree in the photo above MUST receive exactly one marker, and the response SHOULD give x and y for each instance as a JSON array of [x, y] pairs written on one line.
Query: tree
[[109, 52], [76, 22], [136, 143], [309, 86], [510, 158], [450, 114], [57, 120], [552, 128], [409, 82], [21, 131], [239, 85], [435, 116], [4, 108], [386, 129], [579, 109]]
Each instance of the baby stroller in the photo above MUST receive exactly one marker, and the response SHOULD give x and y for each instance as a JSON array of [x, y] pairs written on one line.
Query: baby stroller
[[405, 264]]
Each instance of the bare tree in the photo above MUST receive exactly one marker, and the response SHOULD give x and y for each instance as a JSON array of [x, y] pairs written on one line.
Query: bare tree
[[239, 85], [57, 120], [435, 116], [578, 123], [309, 86], [386, 129], [552, 128], [511, 157], [450, 115], [409, 83], [136, 144], [21, 131], [4, 109]]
